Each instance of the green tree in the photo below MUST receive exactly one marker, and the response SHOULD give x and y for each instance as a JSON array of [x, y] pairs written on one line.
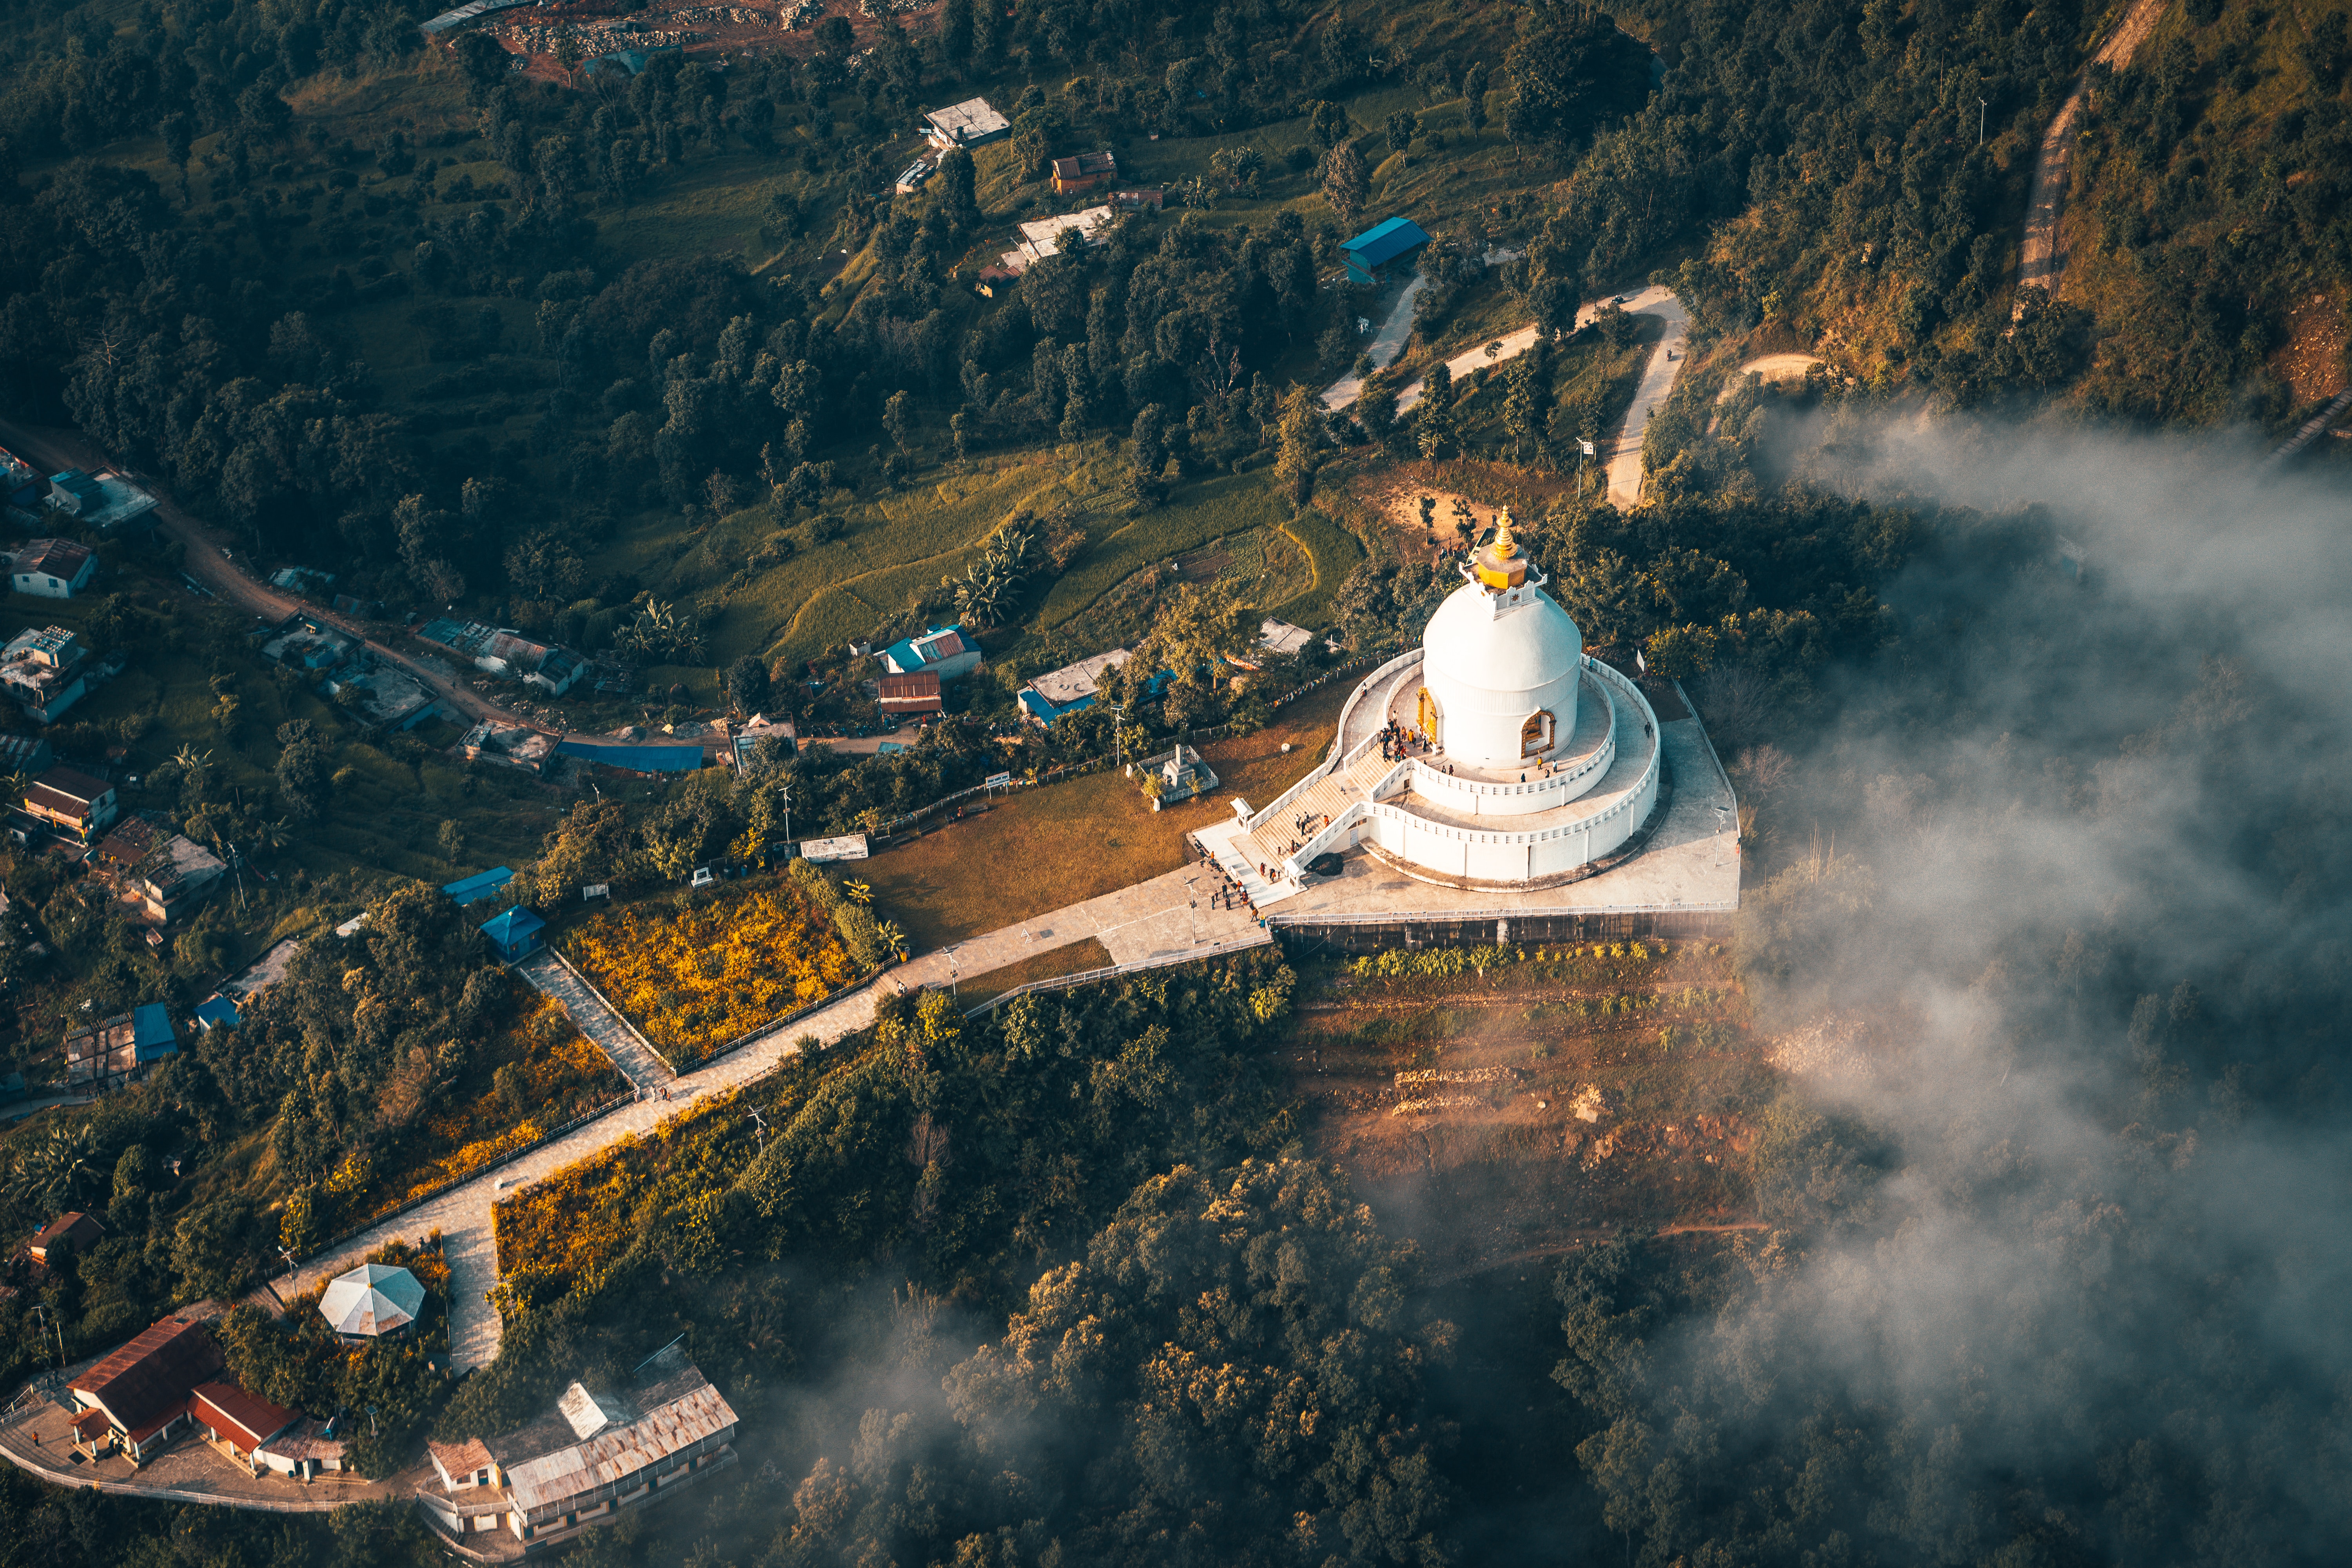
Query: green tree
[[1403, 127], [1302, 439], [1346, 183]]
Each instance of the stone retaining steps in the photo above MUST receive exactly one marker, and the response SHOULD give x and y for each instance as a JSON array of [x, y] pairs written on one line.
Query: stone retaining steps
[[638, 1061]]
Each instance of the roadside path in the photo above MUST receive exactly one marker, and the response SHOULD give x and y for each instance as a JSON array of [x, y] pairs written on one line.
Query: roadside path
[[1657, 383], [1640, 303], [57, 449], [2040, 262], [1163, 919], [1386, 344]]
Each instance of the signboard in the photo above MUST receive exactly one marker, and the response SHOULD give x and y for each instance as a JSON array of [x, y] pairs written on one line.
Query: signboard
[[850, 849], [996, 781], [596, 891], [702, 877]]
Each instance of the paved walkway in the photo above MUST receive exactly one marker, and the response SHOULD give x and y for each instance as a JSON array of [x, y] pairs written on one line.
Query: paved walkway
[[1163, 919], [189, 1470], [2040, 262], [638, 1061]]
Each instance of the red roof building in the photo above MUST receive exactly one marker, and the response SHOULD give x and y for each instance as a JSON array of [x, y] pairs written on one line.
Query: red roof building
[[145, 1387], [64, 1236], [73, 802], [1084, 172], [238, 1421], [917, 694]]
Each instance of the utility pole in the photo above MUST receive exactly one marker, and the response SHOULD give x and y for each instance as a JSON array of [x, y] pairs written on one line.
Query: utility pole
[[760, 1122], [1980, 121]]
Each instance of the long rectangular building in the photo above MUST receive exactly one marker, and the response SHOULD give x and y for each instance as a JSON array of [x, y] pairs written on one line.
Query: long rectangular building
[[596, 1457]]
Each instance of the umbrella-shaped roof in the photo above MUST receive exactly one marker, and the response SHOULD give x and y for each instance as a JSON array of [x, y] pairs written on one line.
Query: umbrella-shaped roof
[[372, 1299]]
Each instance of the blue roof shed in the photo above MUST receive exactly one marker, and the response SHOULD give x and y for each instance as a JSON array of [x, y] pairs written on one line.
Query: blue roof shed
[[1380, 245], [151, 1035], [88, 493], [671, 758], [515, 934], [480, 886]]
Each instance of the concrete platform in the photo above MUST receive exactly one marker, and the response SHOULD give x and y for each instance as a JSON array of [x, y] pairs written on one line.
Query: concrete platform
[[1689, 865]]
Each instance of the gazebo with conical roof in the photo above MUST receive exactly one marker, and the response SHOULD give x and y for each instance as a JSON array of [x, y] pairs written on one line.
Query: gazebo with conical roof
[[372, 1300]]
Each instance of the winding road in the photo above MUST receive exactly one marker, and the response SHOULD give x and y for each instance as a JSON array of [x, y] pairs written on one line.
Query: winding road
[[2041, 264], [208, 562]]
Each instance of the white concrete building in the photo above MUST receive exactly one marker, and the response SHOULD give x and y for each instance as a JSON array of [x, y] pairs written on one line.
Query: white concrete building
[[1497, 755]]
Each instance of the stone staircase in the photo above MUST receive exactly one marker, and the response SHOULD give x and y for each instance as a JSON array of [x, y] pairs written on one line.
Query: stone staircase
[[1318, 803], [638, 1062]]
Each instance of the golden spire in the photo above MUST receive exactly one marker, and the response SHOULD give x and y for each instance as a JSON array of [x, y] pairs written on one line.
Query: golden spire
[[1504, 545]]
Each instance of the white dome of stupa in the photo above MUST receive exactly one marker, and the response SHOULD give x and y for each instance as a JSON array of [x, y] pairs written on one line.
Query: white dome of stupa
[[1500, 664]]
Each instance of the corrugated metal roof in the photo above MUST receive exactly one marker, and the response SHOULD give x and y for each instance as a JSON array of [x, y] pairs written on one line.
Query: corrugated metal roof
[[613, 1457], [466, 889], [1383, 242]]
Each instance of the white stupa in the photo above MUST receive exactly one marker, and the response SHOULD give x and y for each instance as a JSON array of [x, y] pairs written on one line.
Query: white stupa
[[1497, 755], [371, 1299]]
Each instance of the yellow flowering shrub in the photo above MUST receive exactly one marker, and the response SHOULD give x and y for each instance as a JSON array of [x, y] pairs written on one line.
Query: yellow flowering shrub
[[694, 974], [584, 1218], [539, 1073]]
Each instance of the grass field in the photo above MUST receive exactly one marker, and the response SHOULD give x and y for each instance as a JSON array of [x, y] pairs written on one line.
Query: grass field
[[1086, 836], [1075, 958]]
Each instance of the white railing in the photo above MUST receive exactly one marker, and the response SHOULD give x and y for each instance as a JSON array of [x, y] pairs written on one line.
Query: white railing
[[1339, 760], [1294, 863]]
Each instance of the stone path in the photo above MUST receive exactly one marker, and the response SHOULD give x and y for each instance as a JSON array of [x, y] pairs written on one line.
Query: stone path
[[2040, 262], [1164, 919], [638, 1061]]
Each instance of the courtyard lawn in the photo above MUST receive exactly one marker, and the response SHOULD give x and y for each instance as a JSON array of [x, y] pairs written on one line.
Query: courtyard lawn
[[1073, 958], [1064, 843]]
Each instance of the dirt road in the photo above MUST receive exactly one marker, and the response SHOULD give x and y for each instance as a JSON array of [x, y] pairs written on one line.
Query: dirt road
[[210, 564], [2041, 264]]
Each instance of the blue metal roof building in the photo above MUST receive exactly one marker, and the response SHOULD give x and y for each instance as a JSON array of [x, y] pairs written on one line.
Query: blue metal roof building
[[943, 651], [642, 759], [1378, 246], [151, 1035], [217, 1012], [515, 934], [481, 887]]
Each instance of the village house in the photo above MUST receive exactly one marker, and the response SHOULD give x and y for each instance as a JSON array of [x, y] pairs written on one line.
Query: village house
[[104, 500], [41, 669], [942, 651], [910, 696], [599, 1456], [68, 1236], [140, 1397], [165, 874], [75, 805], [1084, 172], [971, 123], [53, 568], [20, 483], [113, 1052], [763, 727], [1069, 689], [236, 1423]]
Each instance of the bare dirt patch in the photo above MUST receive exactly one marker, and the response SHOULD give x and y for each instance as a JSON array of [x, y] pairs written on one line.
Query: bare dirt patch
[[1547, 1103], [2311, 362]]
